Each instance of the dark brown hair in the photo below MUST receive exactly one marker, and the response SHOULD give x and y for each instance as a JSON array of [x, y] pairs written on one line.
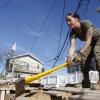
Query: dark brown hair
[[73, 15]]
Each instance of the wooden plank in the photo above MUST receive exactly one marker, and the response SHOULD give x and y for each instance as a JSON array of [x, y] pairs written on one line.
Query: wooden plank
[[85, 97], [2, 97], [76, 90], [53, 93]]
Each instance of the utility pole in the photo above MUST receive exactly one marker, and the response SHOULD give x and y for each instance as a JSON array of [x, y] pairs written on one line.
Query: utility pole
[[11, 53], [13, 50]]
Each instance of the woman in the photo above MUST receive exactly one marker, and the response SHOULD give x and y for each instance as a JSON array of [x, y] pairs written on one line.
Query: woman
[[85, 31]]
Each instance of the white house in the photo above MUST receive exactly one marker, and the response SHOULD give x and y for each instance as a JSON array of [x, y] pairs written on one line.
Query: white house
[[24, 64]]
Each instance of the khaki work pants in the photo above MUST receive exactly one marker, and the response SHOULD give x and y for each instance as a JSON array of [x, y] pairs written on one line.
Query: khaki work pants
[[93, 52]]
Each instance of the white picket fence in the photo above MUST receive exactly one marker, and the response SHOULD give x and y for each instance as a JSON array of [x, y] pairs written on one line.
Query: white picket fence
[[70, 78]]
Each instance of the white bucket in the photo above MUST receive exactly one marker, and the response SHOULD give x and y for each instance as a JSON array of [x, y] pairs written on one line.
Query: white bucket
[[94, 76], [72, 78], [79, 77]]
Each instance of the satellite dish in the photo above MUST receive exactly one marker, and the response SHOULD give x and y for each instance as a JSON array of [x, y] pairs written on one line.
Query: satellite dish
[[13, 48]]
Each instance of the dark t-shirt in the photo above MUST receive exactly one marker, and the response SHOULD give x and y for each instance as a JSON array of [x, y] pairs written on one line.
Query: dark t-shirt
[[85, 25]]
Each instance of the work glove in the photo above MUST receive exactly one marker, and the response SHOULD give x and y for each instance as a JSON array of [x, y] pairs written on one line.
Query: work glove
[[68, 60], [77, 58]]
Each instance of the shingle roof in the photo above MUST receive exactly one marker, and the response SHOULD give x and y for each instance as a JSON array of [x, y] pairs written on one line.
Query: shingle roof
[[27, 54]]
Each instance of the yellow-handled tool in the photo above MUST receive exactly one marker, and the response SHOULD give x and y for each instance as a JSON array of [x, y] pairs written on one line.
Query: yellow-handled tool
[[20, 83]]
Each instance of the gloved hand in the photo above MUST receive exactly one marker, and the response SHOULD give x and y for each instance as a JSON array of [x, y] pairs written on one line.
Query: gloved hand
[[77, 58], [68, 60]]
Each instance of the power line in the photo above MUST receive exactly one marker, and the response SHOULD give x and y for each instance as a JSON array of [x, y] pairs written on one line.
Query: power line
[[62, 48], [51, 60], [6, 4], [76, 11], [67, 42], [61, 27], [86, 7], [59, 52], [43, 24], [79, 4]]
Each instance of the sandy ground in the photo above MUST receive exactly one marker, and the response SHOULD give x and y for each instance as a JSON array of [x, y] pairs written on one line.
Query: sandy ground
[[34, 96], [56, 94], [40, 95]]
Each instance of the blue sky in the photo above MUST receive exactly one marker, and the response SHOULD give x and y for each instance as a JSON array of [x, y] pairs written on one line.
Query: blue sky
[[24, 21]]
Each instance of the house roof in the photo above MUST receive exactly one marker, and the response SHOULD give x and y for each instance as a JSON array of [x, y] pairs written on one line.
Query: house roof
[[27, 54]]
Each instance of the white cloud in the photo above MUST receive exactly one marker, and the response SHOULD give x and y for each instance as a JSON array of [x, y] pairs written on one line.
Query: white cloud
[[30, 31]]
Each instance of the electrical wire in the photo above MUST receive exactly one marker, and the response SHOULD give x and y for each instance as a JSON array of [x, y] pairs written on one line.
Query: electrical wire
[[59, 52], [76, 11], [50, 60], [6, 4], [43, 24], [61, 28], [62, 47], [1, 7], [86, 9], [79, 4]]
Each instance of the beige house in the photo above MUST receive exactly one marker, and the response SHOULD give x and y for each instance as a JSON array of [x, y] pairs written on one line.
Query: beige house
[[24, 64]]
